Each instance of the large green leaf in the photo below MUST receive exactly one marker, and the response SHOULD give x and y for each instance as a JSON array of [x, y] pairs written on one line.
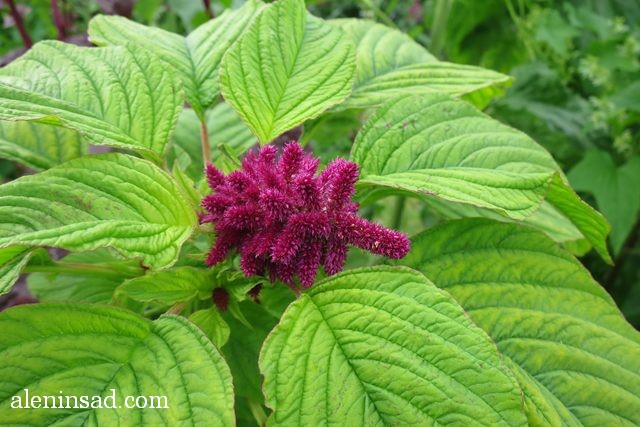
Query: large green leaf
[[195, 58], [441, 147], [576, 358], [92, 91], [39, 146], [90, 350], [390, 63], [104, 200], [12, 261], [287, 68], [384, 346]]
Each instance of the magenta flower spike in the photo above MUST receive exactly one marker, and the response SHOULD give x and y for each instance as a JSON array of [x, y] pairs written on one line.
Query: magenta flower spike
[[286, 221]]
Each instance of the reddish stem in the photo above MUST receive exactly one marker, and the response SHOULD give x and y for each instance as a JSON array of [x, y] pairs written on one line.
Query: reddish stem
[[58, 20], [207, 9], [26, 40]]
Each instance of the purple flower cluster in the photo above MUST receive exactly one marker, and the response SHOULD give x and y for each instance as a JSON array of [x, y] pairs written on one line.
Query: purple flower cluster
[[286, 221]]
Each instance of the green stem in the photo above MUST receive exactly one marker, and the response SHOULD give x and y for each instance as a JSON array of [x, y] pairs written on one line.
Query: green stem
[[379, 13], [520, 28], [204, 138], [258, 412], [439, 26], [397, 213]]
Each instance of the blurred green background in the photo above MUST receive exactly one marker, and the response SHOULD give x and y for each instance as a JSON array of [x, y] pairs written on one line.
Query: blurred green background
[[576, 90]]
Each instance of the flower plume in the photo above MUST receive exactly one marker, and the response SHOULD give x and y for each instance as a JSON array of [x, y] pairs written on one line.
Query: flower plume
[[285, 220]]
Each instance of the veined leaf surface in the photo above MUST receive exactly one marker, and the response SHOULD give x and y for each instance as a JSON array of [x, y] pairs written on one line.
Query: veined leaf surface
[[441, 147], [87, 350], [92, 91], [287, 68], [389, 63], [575, 356], [384, 346], [195, 58], [104, 200], [39, 146]]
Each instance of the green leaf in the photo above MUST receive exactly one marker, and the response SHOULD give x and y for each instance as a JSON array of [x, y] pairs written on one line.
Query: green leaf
[[444, 148], [389, 63], [553, 30], [195, 58], [243, 348], [546, 218], [104, 200], [212, 324], [90, 90], [576, 358], [90, 350], [12, 261], [383, 346], [445, 77], [89, 277], [168, 287], [590, 223], [614, 189], [39, 146], [509, 193], [224, 126], [287, 68]]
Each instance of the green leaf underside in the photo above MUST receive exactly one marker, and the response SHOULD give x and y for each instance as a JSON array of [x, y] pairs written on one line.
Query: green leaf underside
[[90, 349], [168, 287], [509, 193], [104, 200], [546, 218], [12, 261], [383, 346], [91, 91], [576, 358], [195, 58], [390, 63], [592, 225], [224, 127], [83, 285], [436, 145], [39, 146], [287, 68]]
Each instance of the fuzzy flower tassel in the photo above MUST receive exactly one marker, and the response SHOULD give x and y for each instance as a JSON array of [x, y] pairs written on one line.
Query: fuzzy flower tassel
[[286, 221]]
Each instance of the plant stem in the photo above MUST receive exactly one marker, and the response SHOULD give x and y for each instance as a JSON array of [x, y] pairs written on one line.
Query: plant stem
[[520, 28], [207, 9], [379, 13], [397, 213], [258, 412], [439, 26], [26, 40], [204, 138], [176, 308], [58, 20]]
